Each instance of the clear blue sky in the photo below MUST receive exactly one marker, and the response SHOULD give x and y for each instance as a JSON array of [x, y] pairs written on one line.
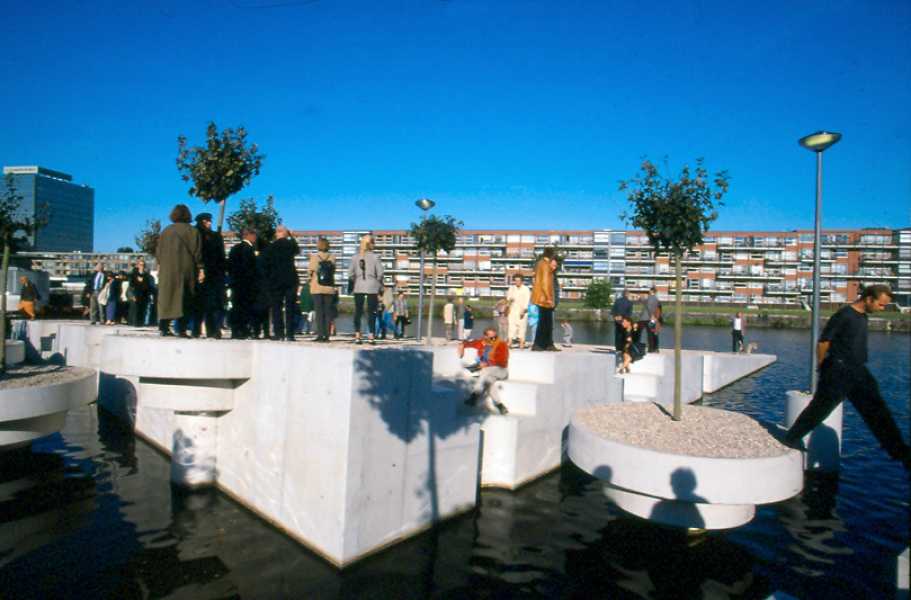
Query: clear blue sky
[[510, 114]]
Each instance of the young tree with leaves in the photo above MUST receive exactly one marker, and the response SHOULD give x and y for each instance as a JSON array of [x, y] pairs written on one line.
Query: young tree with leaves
[[675, 214], [250, 216], [224, 166], [147, 238], [12, 224], [430, 236], [598, 293]]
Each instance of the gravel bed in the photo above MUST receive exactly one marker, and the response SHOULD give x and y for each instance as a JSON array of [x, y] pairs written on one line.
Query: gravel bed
[[702, 431], [40, 375]]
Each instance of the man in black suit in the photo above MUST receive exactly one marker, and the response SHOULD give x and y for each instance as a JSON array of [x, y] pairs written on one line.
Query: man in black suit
[[242, 272], [281, 275], [210, 303]]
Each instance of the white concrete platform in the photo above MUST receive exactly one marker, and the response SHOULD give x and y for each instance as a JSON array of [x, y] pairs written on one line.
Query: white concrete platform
[[721, 369], [652, 378]]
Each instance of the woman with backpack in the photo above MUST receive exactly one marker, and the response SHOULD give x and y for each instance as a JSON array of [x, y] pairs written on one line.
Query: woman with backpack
[[322, 287], [366, 271]]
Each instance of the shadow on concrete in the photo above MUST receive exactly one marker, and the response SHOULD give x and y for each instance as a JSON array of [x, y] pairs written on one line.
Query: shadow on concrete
[[680, 512]]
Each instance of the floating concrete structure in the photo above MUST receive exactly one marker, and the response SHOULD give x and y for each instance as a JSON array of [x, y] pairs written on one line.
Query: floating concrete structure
[[345, 448], [823, 444]]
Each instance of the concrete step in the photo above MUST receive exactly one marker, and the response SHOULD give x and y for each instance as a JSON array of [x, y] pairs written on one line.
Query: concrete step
[[640, 384], [520, 397]]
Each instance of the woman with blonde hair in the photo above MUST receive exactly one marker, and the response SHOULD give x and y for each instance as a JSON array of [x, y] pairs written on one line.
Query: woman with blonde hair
[[366, 271]]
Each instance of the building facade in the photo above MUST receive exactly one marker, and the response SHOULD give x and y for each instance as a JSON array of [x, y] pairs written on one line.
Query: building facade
[[70, 208]]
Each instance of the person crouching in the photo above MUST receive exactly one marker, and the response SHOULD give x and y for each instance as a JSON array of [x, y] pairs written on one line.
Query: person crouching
[[493, 361]]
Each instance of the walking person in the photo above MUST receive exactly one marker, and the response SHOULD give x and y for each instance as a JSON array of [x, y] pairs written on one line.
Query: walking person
[[448, 317], [28, 296], [210, 303], [242, 277], [367, 272], [400, 315], [458, 313], [95, 285], [493, 361], [140, 292], [180, 269], [322, 288], [282, 280], [737, 327], [387, 299], [622, 309], [467, 321], [519, 297], [545, 295], [842, 357]]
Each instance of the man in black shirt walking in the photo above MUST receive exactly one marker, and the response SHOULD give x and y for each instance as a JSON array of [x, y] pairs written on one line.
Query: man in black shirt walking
[[842, 351]]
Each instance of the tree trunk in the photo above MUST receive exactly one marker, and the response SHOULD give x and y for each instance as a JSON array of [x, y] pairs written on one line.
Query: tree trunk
[[221, 213], [678, 334], [433, 293], [4, 274]]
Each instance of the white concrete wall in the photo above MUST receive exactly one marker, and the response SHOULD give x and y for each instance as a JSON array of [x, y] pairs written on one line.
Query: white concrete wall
[[652, 378], [723, 368]]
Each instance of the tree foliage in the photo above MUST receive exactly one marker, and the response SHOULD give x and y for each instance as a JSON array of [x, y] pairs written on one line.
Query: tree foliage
[[126, 249], [221, 168], [598, 293], [434, 233], [263, 222], [674, 214], [147, 238]]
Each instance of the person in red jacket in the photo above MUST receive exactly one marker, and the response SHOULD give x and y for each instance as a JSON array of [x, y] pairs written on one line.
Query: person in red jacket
[[493, 361]]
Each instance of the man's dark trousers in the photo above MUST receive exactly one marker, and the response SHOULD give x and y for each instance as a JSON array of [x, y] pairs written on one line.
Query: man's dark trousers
[[544, 334], [619, 335], [737, 338], [838, 379], [283, 324]]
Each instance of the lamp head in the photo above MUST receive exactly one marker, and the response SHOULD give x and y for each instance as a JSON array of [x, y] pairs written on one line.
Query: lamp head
[[425, 203], [819, 141]]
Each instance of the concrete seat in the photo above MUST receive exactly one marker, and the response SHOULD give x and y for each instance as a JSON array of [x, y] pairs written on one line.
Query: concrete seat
[[520, 397]]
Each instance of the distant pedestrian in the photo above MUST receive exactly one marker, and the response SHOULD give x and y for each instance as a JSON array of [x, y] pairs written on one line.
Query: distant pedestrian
[[322, 288], [449, 317], [180, 269], [650, 319], [305, 310], [28, 296], [367, 272], [622, 308], [459, 314], [501, 314], [842, 357], [140, 293], [282, 280], [467, 321], [387, 300], [533, 314], [400, 314], [210, 301], [242, 275], [737, 328], [95, 284]]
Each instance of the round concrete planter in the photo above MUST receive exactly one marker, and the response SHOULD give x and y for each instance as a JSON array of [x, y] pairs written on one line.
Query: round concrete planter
[[33, 411], [683, 490]]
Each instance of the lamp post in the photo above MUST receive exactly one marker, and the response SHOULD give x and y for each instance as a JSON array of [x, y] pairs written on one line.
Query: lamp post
[[424, 204], [817, 142]]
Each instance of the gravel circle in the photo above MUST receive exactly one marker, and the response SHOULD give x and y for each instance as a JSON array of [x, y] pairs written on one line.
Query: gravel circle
[[701, 431], [41, 375]]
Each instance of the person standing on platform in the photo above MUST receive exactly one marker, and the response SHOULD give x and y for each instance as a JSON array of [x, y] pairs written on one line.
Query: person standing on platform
[[367, 272], [501, 314], [140, 292], [518, 296], [545, 295], [387, 299], [650, 320], [242, 276], [305, 308], [467, 321], [282, 279], [322, 288], [458, 312], [180, 269], [842, 356], [448, 317], [96, 284], [210, 302], [400, 315], [28, 296], [622, 309], [737, 327], [533, 315]]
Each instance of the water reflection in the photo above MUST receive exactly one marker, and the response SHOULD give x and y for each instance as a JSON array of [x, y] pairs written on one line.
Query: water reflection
[[91, 513]]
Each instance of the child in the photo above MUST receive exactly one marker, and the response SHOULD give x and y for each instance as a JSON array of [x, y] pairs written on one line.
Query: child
[[567, 334]]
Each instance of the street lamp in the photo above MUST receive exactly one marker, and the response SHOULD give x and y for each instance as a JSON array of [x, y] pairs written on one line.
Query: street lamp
[[424, 204], [817, 142]]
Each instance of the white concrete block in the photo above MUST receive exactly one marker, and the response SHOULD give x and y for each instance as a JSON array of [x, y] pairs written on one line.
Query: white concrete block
[[723, 368], [823, 444], [188, 395], [15, 352]]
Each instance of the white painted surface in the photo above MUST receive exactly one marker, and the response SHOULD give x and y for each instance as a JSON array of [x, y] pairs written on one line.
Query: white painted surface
[[676, 513], [652, 378], [194, 449], [723, 368], [15, 352], [823, 444], [903, 574], [176, 358]]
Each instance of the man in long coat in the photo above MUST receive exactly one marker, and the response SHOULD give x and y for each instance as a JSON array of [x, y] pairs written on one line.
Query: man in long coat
[[179, 255]]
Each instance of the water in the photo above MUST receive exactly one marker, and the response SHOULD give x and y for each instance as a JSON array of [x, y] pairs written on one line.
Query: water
[[89, 513]]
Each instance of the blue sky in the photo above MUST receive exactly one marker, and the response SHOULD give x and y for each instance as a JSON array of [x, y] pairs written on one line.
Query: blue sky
[[509, 114]]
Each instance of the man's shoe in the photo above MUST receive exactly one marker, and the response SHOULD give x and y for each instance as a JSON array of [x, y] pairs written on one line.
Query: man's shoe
[[553, 349], [537, 349], [290, 338]]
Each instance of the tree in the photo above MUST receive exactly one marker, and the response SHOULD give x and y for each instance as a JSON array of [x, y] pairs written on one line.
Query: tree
[[598, 293], [224, 166], [262, 221], [126, 249], [147, 239], [12, 223], [430, 236], [674, 215]]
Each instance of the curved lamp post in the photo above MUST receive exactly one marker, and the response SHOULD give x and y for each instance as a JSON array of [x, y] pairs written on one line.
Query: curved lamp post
[[817, 142], [424, 204]]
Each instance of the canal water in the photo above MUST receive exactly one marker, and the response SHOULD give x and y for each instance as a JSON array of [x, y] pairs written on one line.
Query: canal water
[[89, 513]]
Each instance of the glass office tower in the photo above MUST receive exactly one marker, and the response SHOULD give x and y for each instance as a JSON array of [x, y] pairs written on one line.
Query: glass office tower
[[71, 208]]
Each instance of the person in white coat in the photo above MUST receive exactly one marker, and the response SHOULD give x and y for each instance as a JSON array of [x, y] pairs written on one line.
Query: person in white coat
[[518, 296]]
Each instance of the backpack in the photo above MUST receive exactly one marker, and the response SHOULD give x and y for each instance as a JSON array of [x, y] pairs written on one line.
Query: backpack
[[325, 273]]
